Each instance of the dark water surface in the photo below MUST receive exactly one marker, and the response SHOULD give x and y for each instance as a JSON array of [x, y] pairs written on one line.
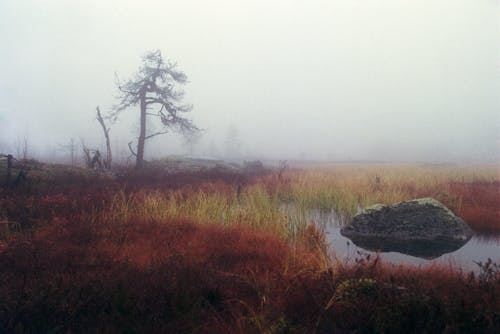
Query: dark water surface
[[478, 248]]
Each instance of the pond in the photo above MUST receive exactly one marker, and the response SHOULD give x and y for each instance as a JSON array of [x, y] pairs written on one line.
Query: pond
[[478, 248]]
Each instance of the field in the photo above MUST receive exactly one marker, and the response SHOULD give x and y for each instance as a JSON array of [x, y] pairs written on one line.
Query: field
[[213, 251]]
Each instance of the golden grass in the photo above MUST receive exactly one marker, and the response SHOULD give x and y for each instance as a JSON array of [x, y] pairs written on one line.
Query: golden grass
[[346, 188], [283, 206], [254, 208]]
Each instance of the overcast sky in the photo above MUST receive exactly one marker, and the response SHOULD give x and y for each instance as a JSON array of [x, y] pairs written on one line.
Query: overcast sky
[[332, 79]]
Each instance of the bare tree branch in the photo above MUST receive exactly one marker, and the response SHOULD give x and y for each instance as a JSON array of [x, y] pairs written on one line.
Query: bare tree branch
[[156, 134], [131, 149]]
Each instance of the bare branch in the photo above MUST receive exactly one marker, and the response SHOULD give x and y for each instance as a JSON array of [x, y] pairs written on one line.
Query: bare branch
[[156, 134], [131, 149]]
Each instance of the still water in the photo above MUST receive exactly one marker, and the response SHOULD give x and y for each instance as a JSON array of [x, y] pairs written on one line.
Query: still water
[[478, 248]]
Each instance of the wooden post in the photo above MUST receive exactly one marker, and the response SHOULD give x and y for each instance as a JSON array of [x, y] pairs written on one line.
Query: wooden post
[[9, 167]]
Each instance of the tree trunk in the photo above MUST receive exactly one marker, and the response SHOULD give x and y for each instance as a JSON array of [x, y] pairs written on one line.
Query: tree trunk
[[139, 162], [107, 162]]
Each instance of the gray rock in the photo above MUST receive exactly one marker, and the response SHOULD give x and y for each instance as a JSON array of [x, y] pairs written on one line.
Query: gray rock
[[422, 227]]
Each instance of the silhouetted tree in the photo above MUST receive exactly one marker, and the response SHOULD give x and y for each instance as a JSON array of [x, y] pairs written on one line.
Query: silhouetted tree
[[191, 139], [107, 161], [22, 148], [213, 151], [153, 89], [87, 157], [71, 148], [233, 142], [96, 160]]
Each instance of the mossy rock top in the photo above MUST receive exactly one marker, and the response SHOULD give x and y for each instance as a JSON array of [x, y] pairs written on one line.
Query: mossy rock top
[[419, 219]]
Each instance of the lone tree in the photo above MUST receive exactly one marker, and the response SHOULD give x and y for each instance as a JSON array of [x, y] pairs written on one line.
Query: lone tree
[[154, 89]]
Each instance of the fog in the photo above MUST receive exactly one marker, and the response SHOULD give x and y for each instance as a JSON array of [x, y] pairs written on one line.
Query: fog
[[411, 80]]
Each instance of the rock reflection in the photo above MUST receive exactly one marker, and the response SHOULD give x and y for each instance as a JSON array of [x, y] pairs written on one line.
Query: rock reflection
[[425, 249]]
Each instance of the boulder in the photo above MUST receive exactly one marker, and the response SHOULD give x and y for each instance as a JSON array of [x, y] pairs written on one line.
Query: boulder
[[422, 227]]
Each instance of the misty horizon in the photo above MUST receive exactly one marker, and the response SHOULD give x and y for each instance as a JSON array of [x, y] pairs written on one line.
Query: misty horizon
[[336, 80]]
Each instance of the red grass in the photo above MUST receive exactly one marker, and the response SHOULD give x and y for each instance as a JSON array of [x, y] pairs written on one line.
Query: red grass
[[181, 277], [78, 277], [480, 204]]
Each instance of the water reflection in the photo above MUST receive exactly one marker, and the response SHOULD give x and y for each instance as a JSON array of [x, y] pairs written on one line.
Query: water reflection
[[426, 249], [478, 248]]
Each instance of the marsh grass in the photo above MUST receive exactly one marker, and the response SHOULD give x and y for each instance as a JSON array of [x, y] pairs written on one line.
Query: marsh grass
[[285, 208], [214, 254], [346, 189], [254, 209]]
